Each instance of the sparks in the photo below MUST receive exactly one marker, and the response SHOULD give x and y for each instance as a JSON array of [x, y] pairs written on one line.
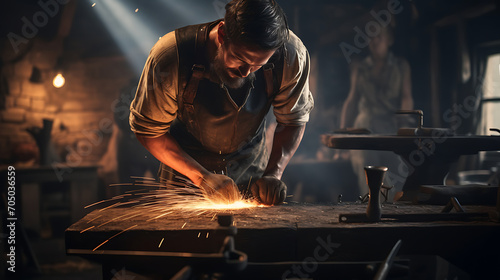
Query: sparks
[[87, 229], [155, 200], [113, 237], [216, 206]]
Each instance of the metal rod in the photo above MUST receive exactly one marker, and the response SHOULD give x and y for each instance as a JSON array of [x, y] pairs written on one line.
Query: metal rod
[[386, 265]]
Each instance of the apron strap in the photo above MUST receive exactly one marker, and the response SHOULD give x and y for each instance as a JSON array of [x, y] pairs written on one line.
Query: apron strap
[[192, 86], [198, 69], [191, 53], [268, 76]]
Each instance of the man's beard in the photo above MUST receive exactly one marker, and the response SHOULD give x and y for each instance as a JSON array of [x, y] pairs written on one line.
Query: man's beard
[[219, 70]]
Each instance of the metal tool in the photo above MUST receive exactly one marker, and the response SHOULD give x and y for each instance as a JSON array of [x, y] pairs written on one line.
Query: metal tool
[[374, 178], [386, 265], [453, 203], [420, 130]]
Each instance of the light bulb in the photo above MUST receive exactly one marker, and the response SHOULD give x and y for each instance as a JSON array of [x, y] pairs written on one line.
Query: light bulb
[[59, 80]]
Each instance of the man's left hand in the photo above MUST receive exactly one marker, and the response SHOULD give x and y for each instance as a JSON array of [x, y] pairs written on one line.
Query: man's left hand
[[269, 190]]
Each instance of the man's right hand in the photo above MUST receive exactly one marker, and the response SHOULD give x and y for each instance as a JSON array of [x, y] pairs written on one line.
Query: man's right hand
[[219, 188], [216, 187]]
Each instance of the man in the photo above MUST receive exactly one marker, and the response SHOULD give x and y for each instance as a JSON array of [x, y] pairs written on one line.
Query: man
[[205, 91]]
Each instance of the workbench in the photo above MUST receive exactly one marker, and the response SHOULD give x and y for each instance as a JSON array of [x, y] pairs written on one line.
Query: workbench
[[82, 189], [290, 232], [427, 158]]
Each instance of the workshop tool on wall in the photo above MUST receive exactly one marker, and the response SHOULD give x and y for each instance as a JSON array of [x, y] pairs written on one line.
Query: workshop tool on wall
[[374, 178], [42, 138]]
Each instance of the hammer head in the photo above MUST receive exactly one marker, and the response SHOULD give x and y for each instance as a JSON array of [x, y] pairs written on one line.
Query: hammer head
[[375, 175]]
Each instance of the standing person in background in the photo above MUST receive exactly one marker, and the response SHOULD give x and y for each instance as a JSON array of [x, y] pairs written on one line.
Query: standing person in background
[[380, 86]]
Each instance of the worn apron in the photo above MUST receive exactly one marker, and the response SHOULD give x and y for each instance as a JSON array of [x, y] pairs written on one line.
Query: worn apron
[[223, 135]]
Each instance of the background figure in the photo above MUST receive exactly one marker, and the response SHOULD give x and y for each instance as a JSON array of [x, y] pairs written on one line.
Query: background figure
[[133, 159], [380, 86]]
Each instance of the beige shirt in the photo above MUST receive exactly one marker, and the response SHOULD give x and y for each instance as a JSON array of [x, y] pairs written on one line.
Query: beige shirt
[[155, 105], [381, 95]]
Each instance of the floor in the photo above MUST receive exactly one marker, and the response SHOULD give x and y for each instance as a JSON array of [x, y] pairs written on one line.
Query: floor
[[53, 263]]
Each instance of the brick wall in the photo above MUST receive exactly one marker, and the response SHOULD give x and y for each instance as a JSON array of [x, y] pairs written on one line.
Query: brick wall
[[81, 109]]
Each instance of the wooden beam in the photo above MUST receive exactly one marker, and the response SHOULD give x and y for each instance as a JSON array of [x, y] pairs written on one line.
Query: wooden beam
[[434, 73], [466, 13], [66, 21]]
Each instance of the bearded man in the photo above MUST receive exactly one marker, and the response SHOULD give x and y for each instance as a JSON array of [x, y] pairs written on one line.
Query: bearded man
[[204, 94]]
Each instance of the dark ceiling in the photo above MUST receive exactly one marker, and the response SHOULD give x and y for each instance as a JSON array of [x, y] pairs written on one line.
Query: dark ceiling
[[315, 17]]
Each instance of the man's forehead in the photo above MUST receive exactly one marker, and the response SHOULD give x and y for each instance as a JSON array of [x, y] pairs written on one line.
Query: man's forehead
[[250, 54]]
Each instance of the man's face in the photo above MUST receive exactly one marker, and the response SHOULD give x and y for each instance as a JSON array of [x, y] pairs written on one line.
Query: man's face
[[236, 63]]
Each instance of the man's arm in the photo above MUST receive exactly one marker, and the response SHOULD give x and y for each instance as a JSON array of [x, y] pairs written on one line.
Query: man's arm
[[216, 187], [291, 107], [285, 142], [270, 189], [166, 149], [350, 107]]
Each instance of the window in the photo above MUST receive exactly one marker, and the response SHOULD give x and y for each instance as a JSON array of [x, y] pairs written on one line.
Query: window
[[491, 109], [491, 96]]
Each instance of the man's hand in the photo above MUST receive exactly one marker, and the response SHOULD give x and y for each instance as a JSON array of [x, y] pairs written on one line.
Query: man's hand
[[219, 188], [269, 190]]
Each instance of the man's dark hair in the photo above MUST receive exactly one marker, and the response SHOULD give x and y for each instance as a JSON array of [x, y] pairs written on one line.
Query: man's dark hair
[[259, 22]]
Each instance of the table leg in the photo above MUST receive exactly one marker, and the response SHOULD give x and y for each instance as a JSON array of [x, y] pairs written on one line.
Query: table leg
[[30, 198], [83, 193], [431, 170]]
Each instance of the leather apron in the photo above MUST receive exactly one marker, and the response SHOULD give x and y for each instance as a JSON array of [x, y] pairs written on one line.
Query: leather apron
[[221, 135]]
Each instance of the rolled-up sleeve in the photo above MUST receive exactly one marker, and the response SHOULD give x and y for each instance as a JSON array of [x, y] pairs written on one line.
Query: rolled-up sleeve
[[155, 104], [294, 101]]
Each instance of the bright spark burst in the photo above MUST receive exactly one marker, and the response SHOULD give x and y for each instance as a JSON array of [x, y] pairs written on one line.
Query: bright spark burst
[[240, 204], [154, 200]]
